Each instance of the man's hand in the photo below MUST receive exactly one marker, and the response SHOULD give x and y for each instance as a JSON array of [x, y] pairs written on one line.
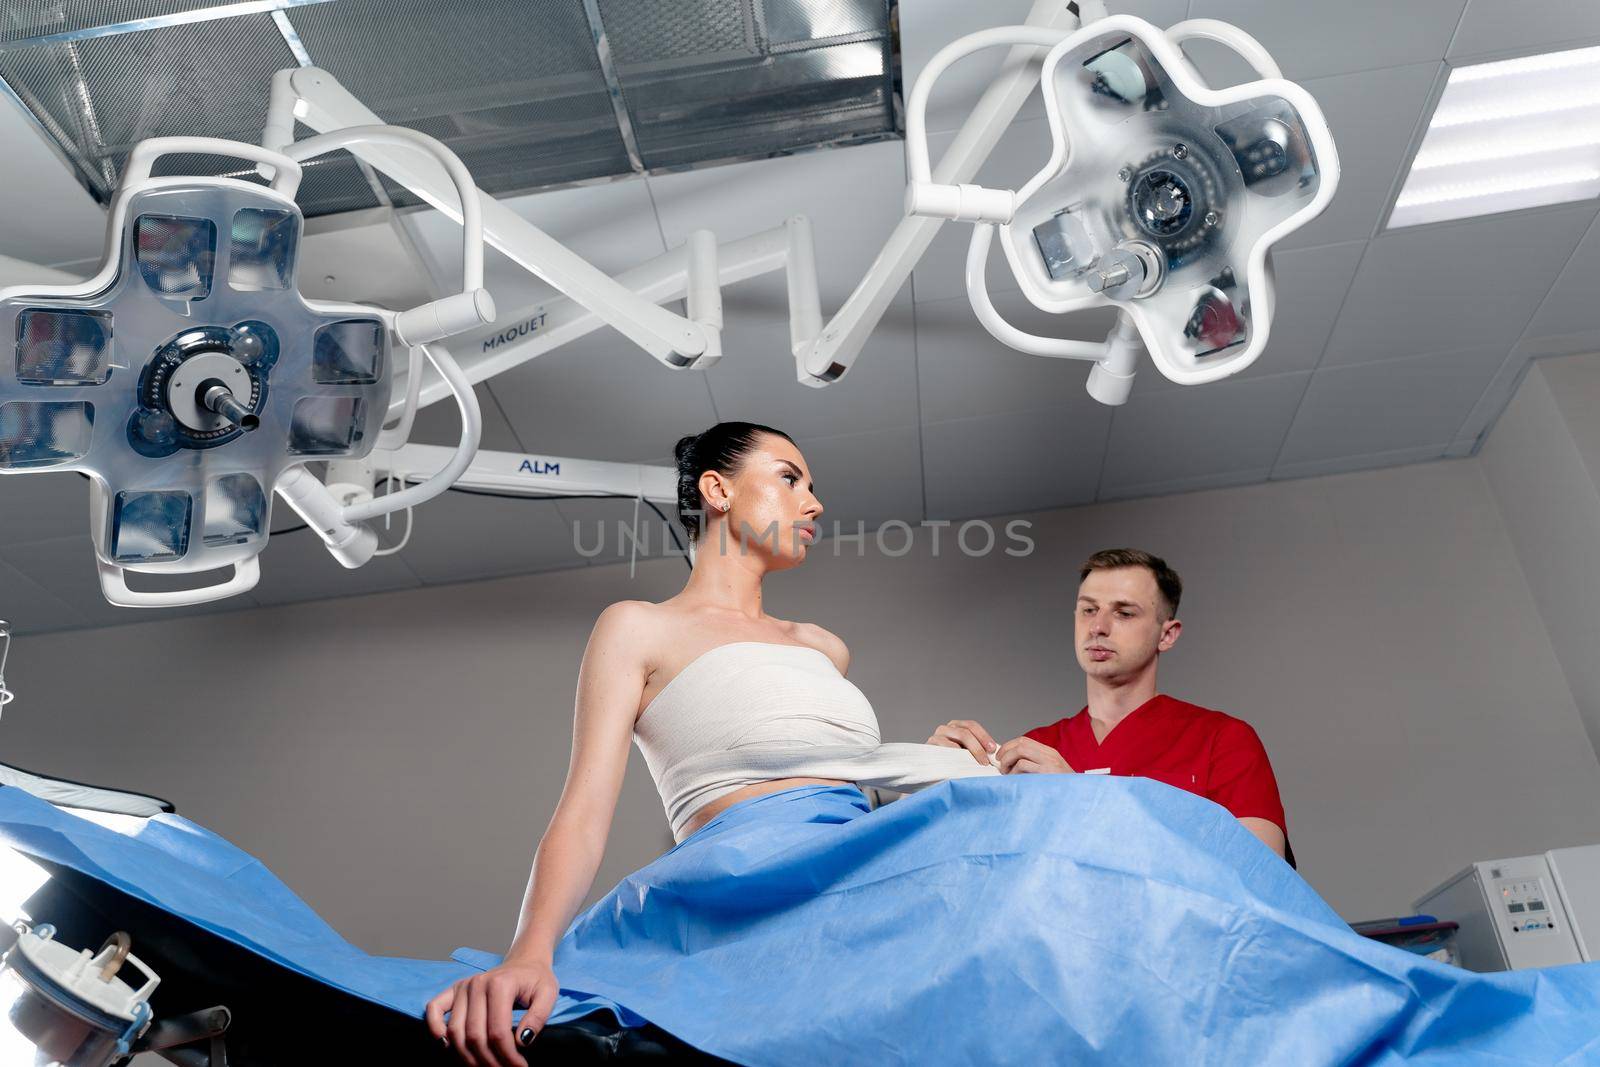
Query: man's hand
[[964, 733], [1024, 755]]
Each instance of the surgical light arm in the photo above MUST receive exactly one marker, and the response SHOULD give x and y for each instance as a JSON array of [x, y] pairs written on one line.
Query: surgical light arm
[[823, 351], [316, 98], [511, 473], [587, 299]]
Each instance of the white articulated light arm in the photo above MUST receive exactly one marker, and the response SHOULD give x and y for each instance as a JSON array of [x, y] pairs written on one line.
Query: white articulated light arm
[[944, 197], [629, 302], [696, 271], [473, 306], [825, 355], [514, 473], [524, 333], [316, 98]]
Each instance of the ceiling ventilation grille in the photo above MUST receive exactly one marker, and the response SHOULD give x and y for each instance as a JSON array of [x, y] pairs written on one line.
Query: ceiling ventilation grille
[[531, 93]]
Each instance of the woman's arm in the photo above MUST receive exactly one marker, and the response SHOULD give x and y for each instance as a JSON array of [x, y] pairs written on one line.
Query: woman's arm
[[610, 684]]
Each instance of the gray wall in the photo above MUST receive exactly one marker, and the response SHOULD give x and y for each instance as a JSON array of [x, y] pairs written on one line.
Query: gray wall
[[395, 757], [1542, 463]]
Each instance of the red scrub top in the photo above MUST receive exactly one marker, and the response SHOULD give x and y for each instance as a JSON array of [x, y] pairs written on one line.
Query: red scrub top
[[1206, 752]]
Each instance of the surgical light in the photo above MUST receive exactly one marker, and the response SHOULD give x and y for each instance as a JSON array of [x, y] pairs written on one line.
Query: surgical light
[[60, 1008], [1512, 134], [190, 379], [192, 341], [1161, 196]]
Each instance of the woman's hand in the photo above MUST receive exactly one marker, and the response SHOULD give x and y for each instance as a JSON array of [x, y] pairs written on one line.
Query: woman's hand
[[480, 1007]]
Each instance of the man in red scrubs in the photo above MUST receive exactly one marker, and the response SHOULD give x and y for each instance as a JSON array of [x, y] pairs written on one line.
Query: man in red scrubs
[[1126, 617]]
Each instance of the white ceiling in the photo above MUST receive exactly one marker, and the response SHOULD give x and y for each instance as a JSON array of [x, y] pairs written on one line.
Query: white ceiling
[[1388, 349]]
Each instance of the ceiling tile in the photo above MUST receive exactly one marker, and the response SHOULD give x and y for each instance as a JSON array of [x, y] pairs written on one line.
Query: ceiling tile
[[22, 272], [61, 223], [964, 372], [65, 567], [1373, 117], [1023, 150], [1312, 40], [1584, 339], [1162, 13], [601, 397], [755, 381], [1344, 464], [43, 505], [853, 196], [1570, 344], [296, 565], [82, 268], [463, 536], [1389, 406], [29, 608], [1023, 461], [1455, 285], [867, 478], [1311, 287], [1219, 66], [440, 422], [1492, 27], [929, 25], [366, 257], [1570, 306], [1220, 433], [1496, 395]]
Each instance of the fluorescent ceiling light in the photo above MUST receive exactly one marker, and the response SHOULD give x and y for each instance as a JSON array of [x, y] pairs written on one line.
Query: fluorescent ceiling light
[[1518, 133]]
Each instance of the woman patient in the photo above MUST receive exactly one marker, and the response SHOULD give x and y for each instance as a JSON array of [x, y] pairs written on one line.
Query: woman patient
[[992, 919], [720, 697]]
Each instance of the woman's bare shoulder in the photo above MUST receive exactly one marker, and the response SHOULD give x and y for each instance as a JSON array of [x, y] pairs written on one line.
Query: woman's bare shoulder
[[632, 625], [824, 641], [626, 616]]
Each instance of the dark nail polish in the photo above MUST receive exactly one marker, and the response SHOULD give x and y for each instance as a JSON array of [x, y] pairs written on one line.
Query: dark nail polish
[[526, 1037]]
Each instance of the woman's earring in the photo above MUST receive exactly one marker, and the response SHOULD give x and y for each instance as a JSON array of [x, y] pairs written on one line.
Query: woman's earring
[[726, 505]]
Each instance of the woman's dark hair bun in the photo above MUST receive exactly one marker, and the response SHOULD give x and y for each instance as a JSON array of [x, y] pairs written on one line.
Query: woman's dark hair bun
[[721, 448]]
